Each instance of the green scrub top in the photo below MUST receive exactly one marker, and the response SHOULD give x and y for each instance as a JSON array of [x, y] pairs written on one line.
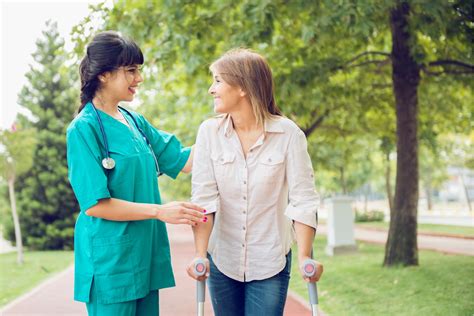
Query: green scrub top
[[125, 260]]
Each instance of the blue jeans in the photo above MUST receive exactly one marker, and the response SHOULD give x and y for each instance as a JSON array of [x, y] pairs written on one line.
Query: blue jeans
[[255, 298]]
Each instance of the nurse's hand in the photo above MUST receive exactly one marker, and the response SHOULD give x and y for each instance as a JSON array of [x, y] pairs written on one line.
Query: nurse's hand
[[191, 272], [180, 213]]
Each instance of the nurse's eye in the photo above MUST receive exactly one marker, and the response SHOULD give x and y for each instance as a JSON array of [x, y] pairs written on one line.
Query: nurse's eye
[[133, 71]]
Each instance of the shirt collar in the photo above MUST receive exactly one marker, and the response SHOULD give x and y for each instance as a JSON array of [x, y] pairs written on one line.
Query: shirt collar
[[270, 126], [273, 125], [228, 125]]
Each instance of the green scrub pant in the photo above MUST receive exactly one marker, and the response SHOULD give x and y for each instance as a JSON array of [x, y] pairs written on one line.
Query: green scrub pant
[[146, 306]]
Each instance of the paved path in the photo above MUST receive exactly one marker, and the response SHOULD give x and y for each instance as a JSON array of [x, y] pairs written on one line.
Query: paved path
[[182, 250], [450, 245], [55, 296]]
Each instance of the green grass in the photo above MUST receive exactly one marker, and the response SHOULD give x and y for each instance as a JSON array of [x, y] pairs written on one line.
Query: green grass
[[357, 284], [428, 228], [15, 280]]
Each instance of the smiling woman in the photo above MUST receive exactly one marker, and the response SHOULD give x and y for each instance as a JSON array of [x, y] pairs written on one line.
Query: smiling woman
[[253, 175], [115, 156]]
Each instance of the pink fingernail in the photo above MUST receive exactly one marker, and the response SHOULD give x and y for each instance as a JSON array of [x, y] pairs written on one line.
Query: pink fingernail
[[204, 211]]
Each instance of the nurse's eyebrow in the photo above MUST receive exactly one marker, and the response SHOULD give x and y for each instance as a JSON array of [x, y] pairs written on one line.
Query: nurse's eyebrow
[[134, 66]]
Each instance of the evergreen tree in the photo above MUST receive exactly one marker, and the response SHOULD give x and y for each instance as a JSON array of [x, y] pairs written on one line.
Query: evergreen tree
[[47, 206]]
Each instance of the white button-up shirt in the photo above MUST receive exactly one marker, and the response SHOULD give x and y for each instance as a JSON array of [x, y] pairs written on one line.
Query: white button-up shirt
[[254, 198]]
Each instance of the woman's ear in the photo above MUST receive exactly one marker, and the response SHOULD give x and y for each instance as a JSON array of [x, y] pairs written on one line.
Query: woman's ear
[[102, 78]]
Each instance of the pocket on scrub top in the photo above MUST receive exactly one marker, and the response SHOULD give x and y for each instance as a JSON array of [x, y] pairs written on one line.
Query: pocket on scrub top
[[113, 255], [223, 164], [271, 167]]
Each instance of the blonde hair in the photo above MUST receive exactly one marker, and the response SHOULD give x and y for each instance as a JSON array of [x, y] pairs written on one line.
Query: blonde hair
[[251, 72]]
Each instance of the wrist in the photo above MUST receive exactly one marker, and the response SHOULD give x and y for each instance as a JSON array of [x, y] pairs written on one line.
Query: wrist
[[156, 211], [201, 254], [303, 256]]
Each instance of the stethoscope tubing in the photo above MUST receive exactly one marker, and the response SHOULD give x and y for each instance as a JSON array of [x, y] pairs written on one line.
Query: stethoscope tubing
[[106, 143]]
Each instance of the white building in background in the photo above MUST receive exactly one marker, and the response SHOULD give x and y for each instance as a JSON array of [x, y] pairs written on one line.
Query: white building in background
[[459, 187]]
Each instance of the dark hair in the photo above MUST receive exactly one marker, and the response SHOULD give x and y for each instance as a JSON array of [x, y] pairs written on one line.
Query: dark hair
[[108, 51]]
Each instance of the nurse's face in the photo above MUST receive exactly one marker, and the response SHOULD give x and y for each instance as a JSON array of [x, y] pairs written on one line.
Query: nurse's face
[[227, 98], [122, 83]]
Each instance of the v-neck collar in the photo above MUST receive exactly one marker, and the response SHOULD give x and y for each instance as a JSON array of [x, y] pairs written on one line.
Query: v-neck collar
[[106, 116]]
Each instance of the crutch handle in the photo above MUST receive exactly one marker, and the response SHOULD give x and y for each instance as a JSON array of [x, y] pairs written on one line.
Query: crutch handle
[[200, 267], [309, 268], [200, 270]]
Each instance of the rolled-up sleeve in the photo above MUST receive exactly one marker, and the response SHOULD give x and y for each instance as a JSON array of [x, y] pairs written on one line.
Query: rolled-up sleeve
[[303, 198], [204, 187]]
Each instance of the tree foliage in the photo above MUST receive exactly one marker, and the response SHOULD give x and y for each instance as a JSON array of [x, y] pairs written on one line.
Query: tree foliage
[[333, 63], [47, 206]]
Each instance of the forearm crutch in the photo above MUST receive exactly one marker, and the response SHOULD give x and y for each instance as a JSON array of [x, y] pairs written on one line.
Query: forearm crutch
[[309, 268], [200, 270]]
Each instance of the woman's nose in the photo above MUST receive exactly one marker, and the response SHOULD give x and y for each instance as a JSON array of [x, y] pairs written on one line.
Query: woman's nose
[[139, 78], [211, 90]]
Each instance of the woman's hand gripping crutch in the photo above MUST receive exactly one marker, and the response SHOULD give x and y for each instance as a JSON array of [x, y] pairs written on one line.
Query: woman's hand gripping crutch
[[200, 268], [310, 269]]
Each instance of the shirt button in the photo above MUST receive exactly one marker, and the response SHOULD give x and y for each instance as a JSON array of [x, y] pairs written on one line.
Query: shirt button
[[245, 198], [243, 228], [269, 159], [245, 182], [243, 245], [244, 212]]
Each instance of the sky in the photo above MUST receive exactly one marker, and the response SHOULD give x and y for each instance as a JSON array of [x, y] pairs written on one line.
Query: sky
[[21, 24]]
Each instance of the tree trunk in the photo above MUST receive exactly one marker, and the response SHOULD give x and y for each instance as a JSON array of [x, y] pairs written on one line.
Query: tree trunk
[[388, 185], [401, 247], [466, 191], [16, 222], [429, 193], [343, 180], [366, 197]]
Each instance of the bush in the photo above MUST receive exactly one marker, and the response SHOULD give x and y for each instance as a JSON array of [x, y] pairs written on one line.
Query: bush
[[369, 216]]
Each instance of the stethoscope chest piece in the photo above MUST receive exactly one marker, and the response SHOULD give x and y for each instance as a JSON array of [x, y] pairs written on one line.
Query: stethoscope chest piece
[[108, 163]]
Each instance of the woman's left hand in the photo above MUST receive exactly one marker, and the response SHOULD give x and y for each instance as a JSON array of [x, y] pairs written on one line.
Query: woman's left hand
[[316, 276]]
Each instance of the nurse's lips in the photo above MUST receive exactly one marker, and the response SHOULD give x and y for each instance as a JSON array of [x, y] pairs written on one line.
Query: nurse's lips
[[132, 89]]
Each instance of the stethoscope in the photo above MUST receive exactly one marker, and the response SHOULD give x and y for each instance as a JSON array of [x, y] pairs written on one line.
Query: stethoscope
[[108, 162]]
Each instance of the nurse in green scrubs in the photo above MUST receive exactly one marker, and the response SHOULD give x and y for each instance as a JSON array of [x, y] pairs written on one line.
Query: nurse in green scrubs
[[122, 255]]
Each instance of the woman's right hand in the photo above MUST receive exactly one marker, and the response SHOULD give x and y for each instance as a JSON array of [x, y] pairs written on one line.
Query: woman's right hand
[[191, 272], [181, 213]]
